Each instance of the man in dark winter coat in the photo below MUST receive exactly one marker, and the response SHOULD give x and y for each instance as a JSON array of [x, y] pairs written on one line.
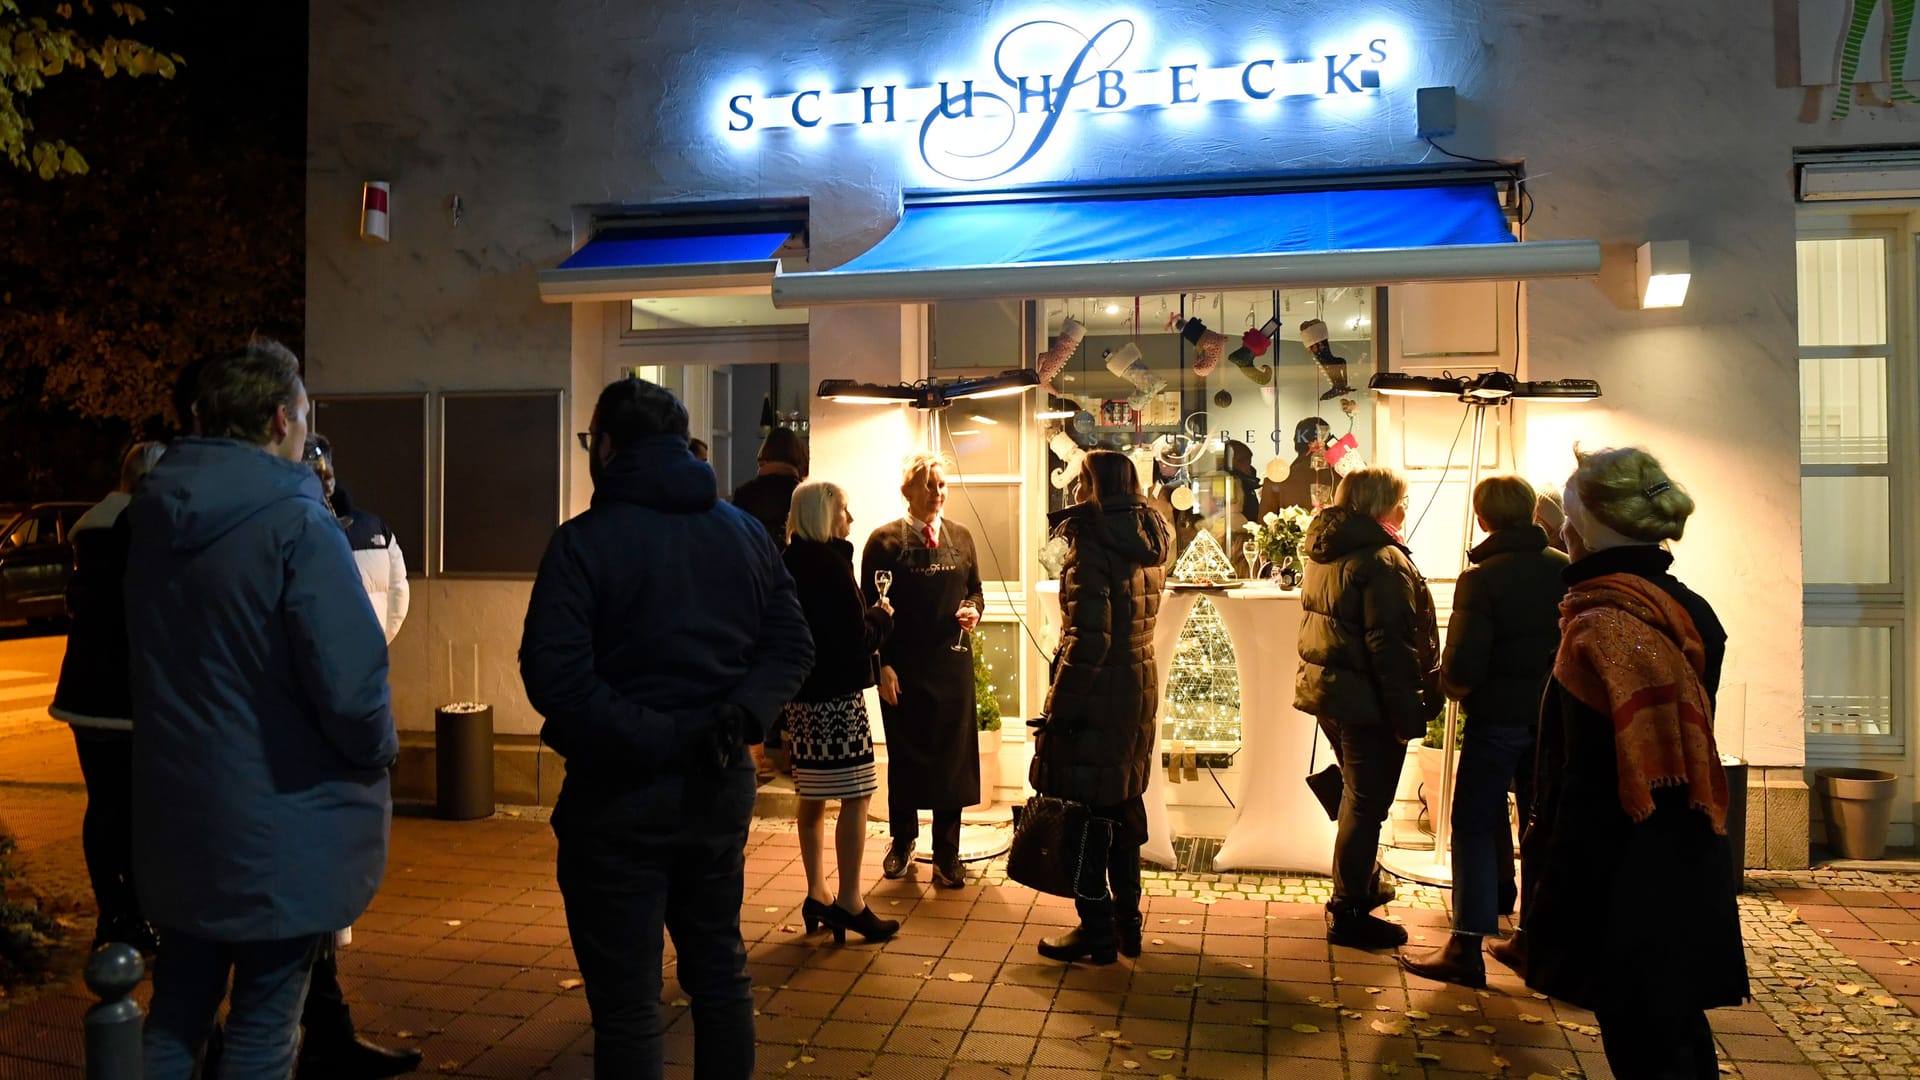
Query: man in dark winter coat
[[260, 697], [663, 635], [1500, 644], [1367, 646]]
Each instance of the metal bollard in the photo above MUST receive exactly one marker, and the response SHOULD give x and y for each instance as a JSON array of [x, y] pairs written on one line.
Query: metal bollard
[[113, 1026]]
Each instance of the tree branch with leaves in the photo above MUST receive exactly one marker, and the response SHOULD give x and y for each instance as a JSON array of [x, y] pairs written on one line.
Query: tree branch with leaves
[[38, 47]]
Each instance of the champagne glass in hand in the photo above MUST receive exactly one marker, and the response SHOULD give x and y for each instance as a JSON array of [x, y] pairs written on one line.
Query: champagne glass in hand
[[882, 582]]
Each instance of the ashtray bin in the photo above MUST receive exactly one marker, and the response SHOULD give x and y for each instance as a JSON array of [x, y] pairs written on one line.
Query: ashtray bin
[[463, 760]]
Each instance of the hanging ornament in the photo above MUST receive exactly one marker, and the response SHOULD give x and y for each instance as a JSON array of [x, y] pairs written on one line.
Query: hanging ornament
[[1127, 363], [1313, 332], [1070, 453], [1277, 470], [1343, 454], [1208, 345], [1181, 498], [1223, 399], [1254, 344], [1064, 346]]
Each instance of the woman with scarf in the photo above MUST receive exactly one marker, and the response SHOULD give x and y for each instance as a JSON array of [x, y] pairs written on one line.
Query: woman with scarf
[[1368, 654], [1633, 916], [1096, 744]]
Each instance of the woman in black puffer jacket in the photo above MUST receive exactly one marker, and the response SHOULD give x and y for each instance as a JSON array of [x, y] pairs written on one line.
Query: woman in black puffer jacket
[[1368, 650], [1096, 744]]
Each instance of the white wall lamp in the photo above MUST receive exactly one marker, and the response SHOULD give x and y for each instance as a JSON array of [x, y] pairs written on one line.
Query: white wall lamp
[[373, 211], [1664, 272]]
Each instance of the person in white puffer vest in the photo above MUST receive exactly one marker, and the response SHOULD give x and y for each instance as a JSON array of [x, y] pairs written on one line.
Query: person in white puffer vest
[[376, 553]]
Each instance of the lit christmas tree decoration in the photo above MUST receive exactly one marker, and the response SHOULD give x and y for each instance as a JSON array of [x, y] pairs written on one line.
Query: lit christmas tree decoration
[[1203, 561], [1203, 685]]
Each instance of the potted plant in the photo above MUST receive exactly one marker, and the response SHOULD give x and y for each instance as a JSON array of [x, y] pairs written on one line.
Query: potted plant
[[1432, 752], [1276, 540], [986, 711]]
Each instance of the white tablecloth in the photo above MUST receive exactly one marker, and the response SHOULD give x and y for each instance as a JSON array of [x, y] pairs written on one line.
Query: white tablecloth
[[1279, 825]]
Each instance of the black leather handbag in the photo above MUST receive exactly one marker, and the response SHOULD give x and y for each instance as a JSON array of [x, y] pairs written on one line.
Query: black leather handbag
[[1327, 784], [1060, 848]]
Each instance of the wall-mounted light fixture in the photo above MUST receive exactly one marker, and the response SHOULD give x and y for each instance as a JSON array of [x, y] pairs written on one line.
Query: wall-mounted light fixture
[[928, 394], [1486, 388], [1664, 272], [373, 211]]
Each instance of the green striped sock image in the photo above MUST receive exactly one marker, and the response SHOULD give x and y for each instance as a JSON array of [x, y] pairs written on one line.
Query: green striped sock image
[[1850, 54], [1897, 51]]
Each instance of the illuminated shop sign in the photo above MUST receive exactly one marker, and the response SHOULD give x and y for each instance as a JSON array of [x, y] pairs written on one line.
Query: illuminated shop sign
[[1036, 82]]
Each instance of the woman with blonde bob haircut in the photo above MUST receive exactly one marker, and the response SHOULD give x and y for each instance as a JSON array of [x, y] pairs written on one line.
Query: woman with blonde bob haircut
[[1367, 650], [1634, 915], [827, 725]]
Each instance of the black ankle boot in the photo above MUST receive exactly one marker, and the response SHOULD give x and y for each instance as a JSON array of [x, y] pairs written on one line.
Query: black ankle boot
[[1079, 942], [1356, 929], [1126, 933]]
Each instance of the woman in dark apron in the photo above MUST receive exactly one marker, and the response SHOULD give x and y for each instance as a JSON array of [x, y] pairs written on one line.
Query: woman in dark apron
[[926, 673]]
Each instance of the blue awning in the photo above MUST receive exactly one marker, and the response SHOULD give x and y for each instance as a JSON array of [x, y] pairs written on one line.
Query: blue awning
[[620, 264], [974, 250]]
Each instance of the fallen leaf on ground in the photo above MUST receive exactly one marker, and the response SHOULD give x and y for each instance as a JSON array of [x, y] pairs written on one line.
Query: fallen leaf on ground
[[1423, 1055], [1390, 1068], [1390, 1027], [1110, 1034], [1129, 1064], [1808, 1008], [805, 1060], [1352, 1014], [1244, 964], [1529, 1018], [1884, 1001], [403, 1034], [1486, 1029], [453, 922], [959, 976], [1501, 1063], [1306, 1029], [1469, 1008], [771, 910], [1161, 1055], [1159, 941], [1849, 989], [679, 1003], [1262, 1022], [1374, 990], [571, 984], [1419, 1014]]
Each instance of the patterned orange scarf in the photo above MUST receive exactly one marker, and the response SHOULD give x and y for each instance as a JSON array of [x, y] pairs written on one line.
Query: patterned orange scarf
[[1630, 652]]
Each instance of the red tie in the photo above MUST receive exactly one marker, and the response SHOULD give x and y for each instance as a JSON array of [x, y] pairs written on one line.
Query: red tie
[[932, 542]]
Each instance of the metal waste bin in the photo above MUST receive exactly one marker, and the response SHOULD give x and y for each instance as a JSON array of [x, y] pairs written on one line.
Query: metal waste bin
[[1737, 817], [463, 761]]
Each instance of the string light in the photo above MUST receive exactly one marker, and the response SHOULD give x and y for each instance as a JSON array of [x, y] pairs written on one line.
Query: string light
[[1203, 683]]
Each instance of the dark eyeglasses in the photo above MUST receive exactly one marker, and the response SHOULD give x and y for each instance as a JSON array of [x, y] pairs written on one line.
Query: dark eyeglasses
[[586, 439]]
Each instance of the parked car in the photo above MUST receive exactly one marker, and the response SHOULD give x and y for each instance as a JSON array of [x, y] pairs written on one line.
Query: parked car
[[36, 559]]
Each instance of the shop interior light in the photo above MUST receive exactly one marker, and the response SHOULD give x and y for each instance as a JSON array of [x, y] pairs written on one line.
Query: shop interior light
[[1664, 271], [1395, 384], [1558, 390], [978, 419], [928, 394], [1490, 387], [1056, 414]]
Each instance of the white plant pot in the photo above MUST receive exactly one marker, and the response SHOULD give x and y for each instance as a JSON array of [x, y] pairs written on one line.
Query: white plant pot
[[1430, 760]]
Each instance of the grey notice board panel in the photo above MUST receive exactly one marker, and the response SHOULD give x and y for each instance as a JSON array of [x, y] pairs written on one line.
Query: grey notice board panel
[[380, 459], [499, 480]]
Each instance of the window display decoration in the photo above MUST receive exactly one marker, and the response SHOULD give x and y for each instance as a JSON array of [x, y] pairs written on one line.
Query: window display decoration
[[1069, 453], [1208, 345], [1128, 364], [1203, 562], [1203, 682], [1054, 359], [1314, 334], [1253, 345]]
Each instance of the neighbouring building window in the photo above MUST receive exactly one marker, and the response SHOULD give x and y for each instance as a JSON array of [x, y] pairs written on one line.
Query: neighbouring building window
[[1855, 364]]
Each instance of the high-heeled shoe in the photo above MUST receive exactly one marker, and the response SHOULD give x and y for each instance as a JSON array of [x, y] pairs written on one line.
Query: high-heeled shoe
[[869, 926], [815, 914]]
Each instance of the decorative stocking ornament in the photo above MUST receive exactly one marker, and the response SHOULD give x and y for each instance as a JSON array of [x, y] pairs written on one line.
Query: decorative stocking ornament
[[1313, 333], [1343, 454], [1208, 345], [1063, 349], [1068, 451], [1253, 345], [1127, 363]]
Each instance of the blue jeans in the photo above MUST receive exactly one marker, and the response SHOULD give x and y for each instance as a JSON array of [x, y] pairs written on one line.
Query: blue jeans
[[263, 1012], [669, 853], [1492, 758]]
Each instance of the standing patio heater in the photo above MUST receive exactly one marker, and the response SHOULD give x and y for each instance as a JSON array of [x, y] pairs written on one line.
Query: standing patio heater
[[1477, 392]]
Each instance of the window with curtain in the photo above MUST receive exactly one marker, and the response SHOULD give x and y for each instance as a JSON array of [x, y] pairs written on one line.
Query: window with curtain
[[1853, 362]]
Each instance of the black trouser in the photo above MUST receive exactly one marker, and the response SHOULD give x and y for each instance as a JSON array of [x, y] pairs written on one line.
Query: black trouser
[[1123, 877], [903, 823], [326, 1017], [637, 856], [1370, 759], [1658, 1047], [106, 832]]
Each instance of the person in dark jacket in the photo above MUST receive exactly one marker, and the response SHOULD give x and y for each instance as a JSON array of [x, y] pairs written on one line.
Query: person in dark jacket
[[1096, 744], [1501, 639], [1634, 914], [663, 635], [1368, 647], [260, 697], [93, 697], [783, 464], [1307, 471], [828, 729]]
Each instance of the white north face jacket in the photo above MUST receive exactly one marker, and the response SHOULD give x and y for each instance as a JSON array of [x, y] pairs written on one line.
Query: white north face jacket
[[383, 569]]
